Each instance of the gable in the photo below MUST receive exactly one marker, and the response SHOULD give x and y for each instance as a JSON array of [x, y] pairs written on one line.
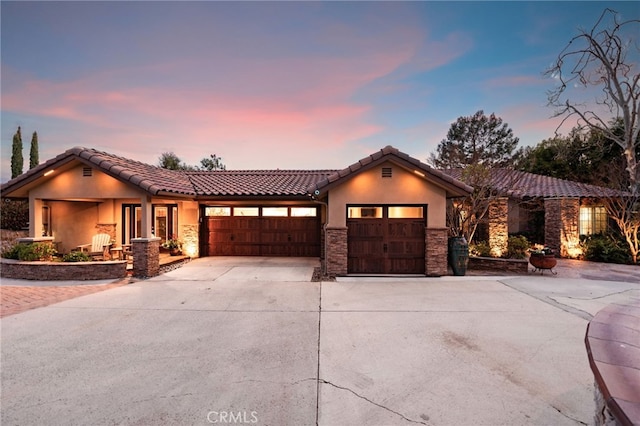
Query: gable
[[388, 184], [82, 183]]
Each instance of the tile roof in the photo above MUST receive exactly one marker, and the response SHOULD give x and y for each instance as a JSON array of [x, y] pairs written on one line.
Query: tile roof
[[156, 180], [453, 185], [256, 182], [528, 185]]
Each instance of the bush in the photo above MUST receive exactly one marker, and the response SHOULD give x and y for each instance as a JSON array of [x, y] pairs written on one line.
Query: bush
[[480, 249], [76, 256], [605, 248], [30, 252], [15, 214], [517, 247]]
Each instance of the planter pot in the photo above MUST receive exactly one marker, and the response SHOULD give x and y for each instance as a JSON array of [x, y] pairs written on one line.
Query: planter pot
[[543, 261], [458, 255], [175, 252]]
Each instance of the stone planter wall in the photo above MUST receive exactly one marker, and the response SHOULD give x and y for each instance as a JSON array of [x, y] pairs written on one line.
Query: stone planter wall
[[63, 271], [515, 266]]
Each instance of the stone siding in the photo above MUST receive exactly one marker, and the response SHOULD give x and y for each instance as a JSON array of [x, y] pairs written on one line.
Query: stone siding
[[336, 262], [498, 226], [146, 257], [10, 238], [107, 228], [63, 271], [516, 266], [190, 240], [561, 226], [435, 254]]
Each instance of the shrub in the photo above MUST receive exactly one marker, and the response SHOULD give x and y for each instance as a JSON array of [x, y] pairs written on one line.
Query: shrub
[[605, 248], [15, 214], [517, 247], [30, 252], [76, 256], [12, 253], [480, 249]]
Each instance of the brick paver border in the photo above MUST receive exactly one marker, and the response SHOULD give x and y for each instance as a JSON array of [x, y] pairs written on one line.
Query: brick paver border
[[16, 299]]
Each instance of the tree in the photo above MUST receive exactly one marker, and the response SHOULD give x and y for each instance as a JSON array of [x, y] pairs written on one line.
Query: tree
[[17, 161], [476, 139], [169, 160], [584, 155], [478, 145], [600, 58], [211, 163], [34, 159]]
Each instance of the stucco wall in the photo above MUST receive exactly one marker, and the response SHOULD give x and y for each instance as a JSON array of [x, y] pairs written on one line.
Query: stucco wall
[[72, 184], [404, 187]]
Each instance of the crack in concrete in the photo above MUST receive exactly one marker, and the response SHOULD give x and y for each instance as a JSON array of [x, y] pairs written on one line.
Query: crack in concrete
[[372, 402], [601, 297], [568, 417], [548, 300], [318, 368]]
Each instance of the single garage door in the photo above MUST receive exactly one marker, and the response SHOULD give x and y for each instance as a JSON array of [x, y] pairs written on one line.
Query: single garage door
[[386, 239], [261, 231]]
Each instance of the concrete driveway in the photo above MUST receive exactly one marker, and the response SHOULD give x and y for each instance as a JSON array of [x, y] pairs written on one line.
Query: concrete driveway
[[253, 341]]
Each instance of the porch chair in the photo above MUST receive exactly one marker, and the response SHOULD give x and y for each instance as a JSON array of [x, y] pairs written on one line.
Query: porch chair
[[99, 247]]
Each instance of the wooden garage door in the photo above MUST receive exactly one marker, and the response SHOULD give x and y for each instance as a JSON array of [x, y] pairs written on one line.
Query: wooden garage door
[[261, 235], [383, 243]]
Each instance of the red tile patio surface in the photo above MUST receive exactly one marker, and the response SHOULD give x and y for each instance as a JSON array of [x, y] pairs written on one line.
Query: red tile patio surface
[[16, 299]]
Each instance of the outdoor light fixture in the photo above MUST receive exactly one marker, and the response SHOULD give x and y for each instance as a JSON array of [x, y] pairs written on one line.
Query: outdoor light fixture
[[419, 173], [48, 172]]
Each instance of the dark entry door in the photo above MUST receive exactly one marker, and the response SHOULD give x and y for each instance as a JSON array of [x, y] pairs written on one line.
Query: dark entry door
[[386, 245]]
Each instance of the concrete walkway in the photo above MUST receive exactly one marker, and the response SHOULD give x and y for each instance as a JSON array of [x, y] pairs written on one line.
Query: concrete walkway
[[253, 339]]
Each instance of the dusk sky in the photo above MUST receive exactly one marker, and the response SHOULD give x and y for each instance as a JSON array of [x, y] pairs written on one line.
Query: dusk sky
[[265, 85]]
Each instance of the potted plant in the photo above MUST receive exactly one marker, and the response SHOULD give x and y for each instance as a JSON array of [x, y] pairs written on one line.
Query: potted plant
[[543, 258], [174, 246]]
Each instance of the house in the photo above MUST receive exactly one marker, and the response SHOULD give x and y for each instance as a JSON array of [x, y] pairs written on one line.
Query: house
[[385, 214], [551, 211]]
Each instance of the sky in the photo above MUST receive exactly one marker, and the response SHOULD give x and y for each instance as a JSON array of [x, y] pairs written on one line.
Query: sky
[[266, 85]]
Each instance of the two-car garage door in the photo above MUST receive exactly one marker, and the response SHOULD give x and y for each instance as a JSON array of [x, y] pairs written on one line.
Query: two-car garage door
[[261, 231]]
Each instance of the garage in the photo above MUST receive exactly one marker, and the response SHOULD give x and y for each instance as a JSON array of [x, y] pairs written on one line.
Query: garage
[[260, 231], [386, 239]]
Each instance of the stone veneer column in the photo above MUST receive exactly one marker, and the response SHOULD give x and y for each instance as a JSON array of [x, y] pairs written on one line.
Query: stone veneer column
[[561, 225], [336, 241], [146, 257], [435, 253], [190, 240], [498, 226]]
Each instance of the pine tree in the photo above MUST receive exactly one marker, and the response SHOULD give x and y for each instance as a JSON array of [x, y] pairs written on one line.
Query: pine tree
[[17, 161], [34, 159]]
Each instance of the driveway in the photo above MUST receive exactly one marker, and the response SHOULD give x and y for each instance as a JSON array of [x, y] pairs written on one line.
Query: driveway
[[253, 341]]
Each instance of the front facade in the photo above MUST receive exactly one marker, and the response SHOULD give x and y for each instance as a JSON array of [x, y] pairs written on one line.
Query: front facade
[[384, 214]]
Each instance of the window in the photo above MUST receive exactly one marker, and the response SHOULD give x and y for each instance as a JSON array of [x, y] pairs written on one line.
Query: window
[[217, 211], [365, 212], [46, 221], [402, 212], [304, 212], [246, 211], [131, 222], [593, 220], [275, 211]]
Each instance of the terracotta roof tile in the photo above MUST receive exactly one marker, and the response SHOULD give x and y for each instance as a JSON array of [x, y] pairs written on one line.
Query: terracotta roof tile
[[256, 182], [528, 185]]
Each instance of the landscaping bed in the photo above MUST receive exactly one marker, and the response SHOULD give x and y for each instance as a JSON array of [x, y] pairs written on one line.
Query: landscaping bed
[[515, 266], [63, 271]]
